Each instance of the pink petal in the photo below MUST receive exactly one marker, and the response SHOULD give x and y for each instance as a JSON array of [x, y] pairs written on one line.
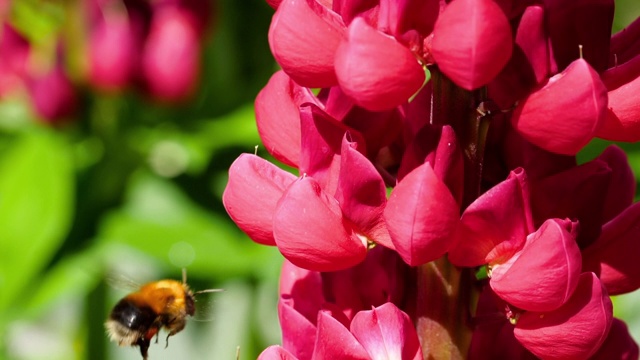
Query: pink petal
[[529, 63], [622, 187], [298, 333], [276, 352], [252, 193], [278, 117], [362, 194], [542, 118], [311, 232], [53, 95], [321, 145], [303, 289], [623, 117], [576, 193], [398, 17], [574, 331], [171, 57], [619, 344], [614, 256], [113, 49], [439, 147], [376, 82], [387, 333], [495, 226], [472, 42], [625, 44], [537, 162], [303, 37], [540, 283], [421, 216], [334, 341], [380, 278], [379, 128]]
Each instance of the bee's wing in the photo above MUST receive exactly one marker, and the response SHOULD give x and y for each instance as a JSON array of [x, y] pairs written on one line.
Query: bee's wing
[[205, 305], [122, 282]]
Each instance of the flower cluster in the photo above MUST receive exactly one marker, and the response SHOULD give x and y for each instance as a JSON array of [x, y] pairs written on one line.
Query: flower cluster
[[155, 46], [481, 159]]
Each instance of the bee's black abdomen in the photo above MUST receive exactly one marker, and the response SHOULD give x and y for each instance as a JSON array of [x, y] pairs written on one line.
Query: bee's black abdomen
[[132, 316]]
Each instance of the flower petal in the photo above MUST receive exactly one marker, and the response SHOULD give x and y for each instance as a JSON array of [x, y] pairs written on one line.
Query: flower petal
[[376, 82], [321, 145], [421, 216], [623, 117], [619, 344], [541, 283], [574, 331], [438, 146], [303, 37], [478, 239], [298, 333], [334, 341], [277, 109], [311, 232], [576, 193], [387, 333], [614, 256], [252, 193], [543, 119], [622, 187], [303, 289], [276, 352], [362, 194], [472, 42]]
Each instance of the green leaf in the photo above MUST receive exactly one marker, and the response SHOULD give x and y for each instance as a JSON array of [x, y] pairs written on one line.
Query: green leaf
[[36, 198], [73, 276]]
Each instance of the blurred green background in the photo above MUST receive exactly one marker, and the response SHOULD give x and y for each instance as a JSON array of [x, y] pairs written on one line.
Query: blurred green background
[[132, 188]]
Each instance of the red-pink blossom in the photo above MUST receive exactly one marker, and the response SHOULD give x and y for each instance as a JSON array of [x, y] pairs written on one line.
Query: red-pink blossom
[[171, 56], [376, 82], [581, 325], [542, 119], [472, 42]]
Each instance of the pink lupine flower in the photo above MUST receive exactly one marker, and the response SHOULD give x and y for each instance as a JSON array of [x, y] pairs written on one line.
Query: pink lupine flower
[[540, 283], [310, 230], [581, 325], [113, 47], [618, 345], [385, 332], [251, 196], [171, 55], [484, 175], [15, 51], [398, 75], [472, 42], [422, 216], [478, 240], [623, 118], [540, 117], [293, 45], [278, 117], [276, 352], [612, 255], [52, 93]]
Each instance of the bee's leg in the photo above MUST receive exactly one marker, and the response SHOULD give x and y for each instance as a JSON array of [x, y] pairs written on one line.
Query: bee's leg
[[144, 347], [167, 344]]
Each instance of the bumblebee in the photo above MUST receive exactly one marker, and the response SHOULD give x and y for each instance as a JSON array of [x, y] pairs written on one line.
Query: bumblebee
[[139, 316]]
